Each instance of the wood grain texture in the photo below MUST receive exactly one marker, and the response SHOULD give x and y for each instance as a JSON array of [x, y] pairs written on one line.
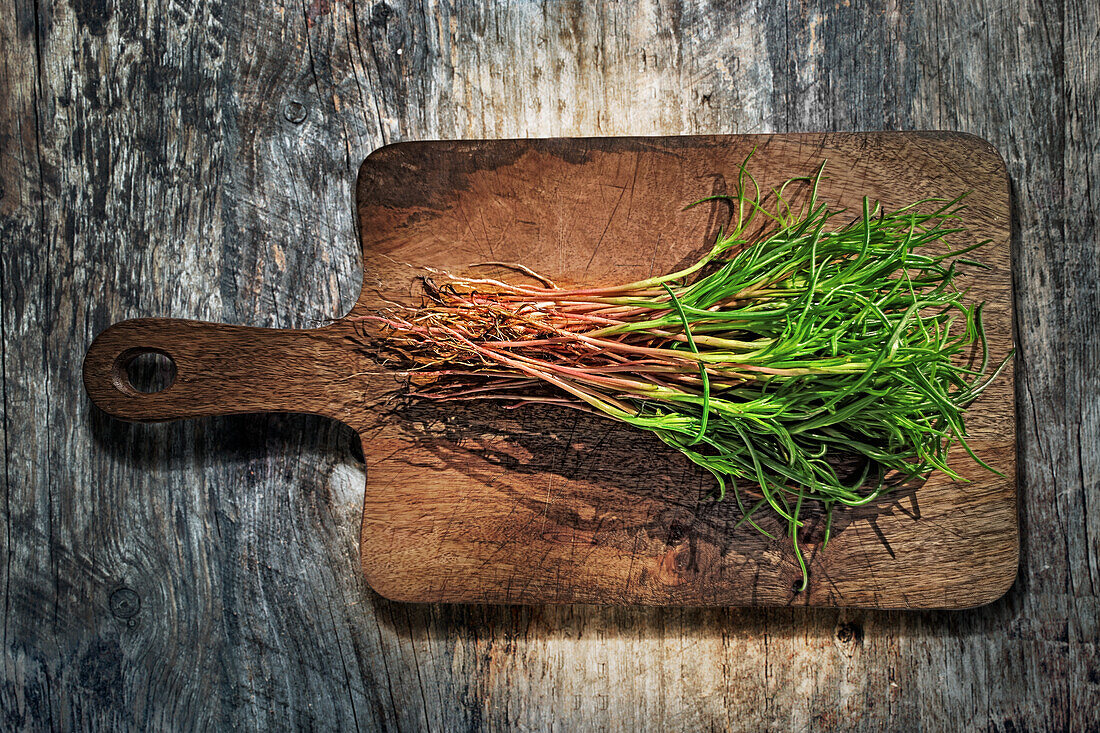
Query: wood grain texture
[[229, 370], [197, 159]]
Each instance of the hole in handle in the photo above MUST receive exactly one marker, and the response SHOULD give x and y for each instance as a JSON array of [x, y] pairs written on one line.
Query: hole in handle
[[144, 371]]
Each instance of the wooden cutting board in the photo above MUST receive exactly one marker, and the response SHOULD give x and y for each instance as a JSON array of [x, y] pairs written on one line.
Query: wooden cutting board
[[546, 505]]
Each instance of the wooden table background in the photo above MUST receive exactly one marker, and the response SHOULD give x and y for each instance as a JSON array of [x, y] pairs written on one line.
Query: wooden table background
[[196, 158]]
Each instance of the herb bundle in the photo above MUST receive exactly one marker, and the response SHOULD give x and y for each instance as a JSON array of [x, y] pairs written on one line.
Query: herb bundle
[[805, 342]]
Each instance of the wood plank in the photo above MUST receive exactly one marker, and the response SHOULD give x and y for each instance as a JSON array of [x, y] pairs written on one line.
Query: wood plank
[[230, 211]]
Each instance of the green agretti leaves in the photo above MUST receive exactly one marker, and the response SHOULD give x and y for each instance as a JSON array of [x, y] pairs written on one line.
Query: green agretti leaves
[[810, 356]]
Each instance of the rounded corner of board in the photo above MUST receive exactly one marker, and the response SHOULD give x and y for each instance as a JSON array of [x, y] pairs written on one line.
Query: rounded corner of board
[[379, 156], [383, 152], [985, 147], [381, 586], [997, 588]]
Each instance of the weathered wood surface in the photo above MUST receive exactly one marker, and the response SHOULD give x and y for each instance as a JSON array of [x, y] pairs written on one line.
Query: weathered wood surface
[[197, 160], [472, 503]]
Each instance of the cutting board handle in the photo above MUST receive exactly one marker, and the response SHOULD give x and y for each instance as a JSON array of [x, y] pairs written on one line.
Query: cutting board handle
[[219, 369]]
